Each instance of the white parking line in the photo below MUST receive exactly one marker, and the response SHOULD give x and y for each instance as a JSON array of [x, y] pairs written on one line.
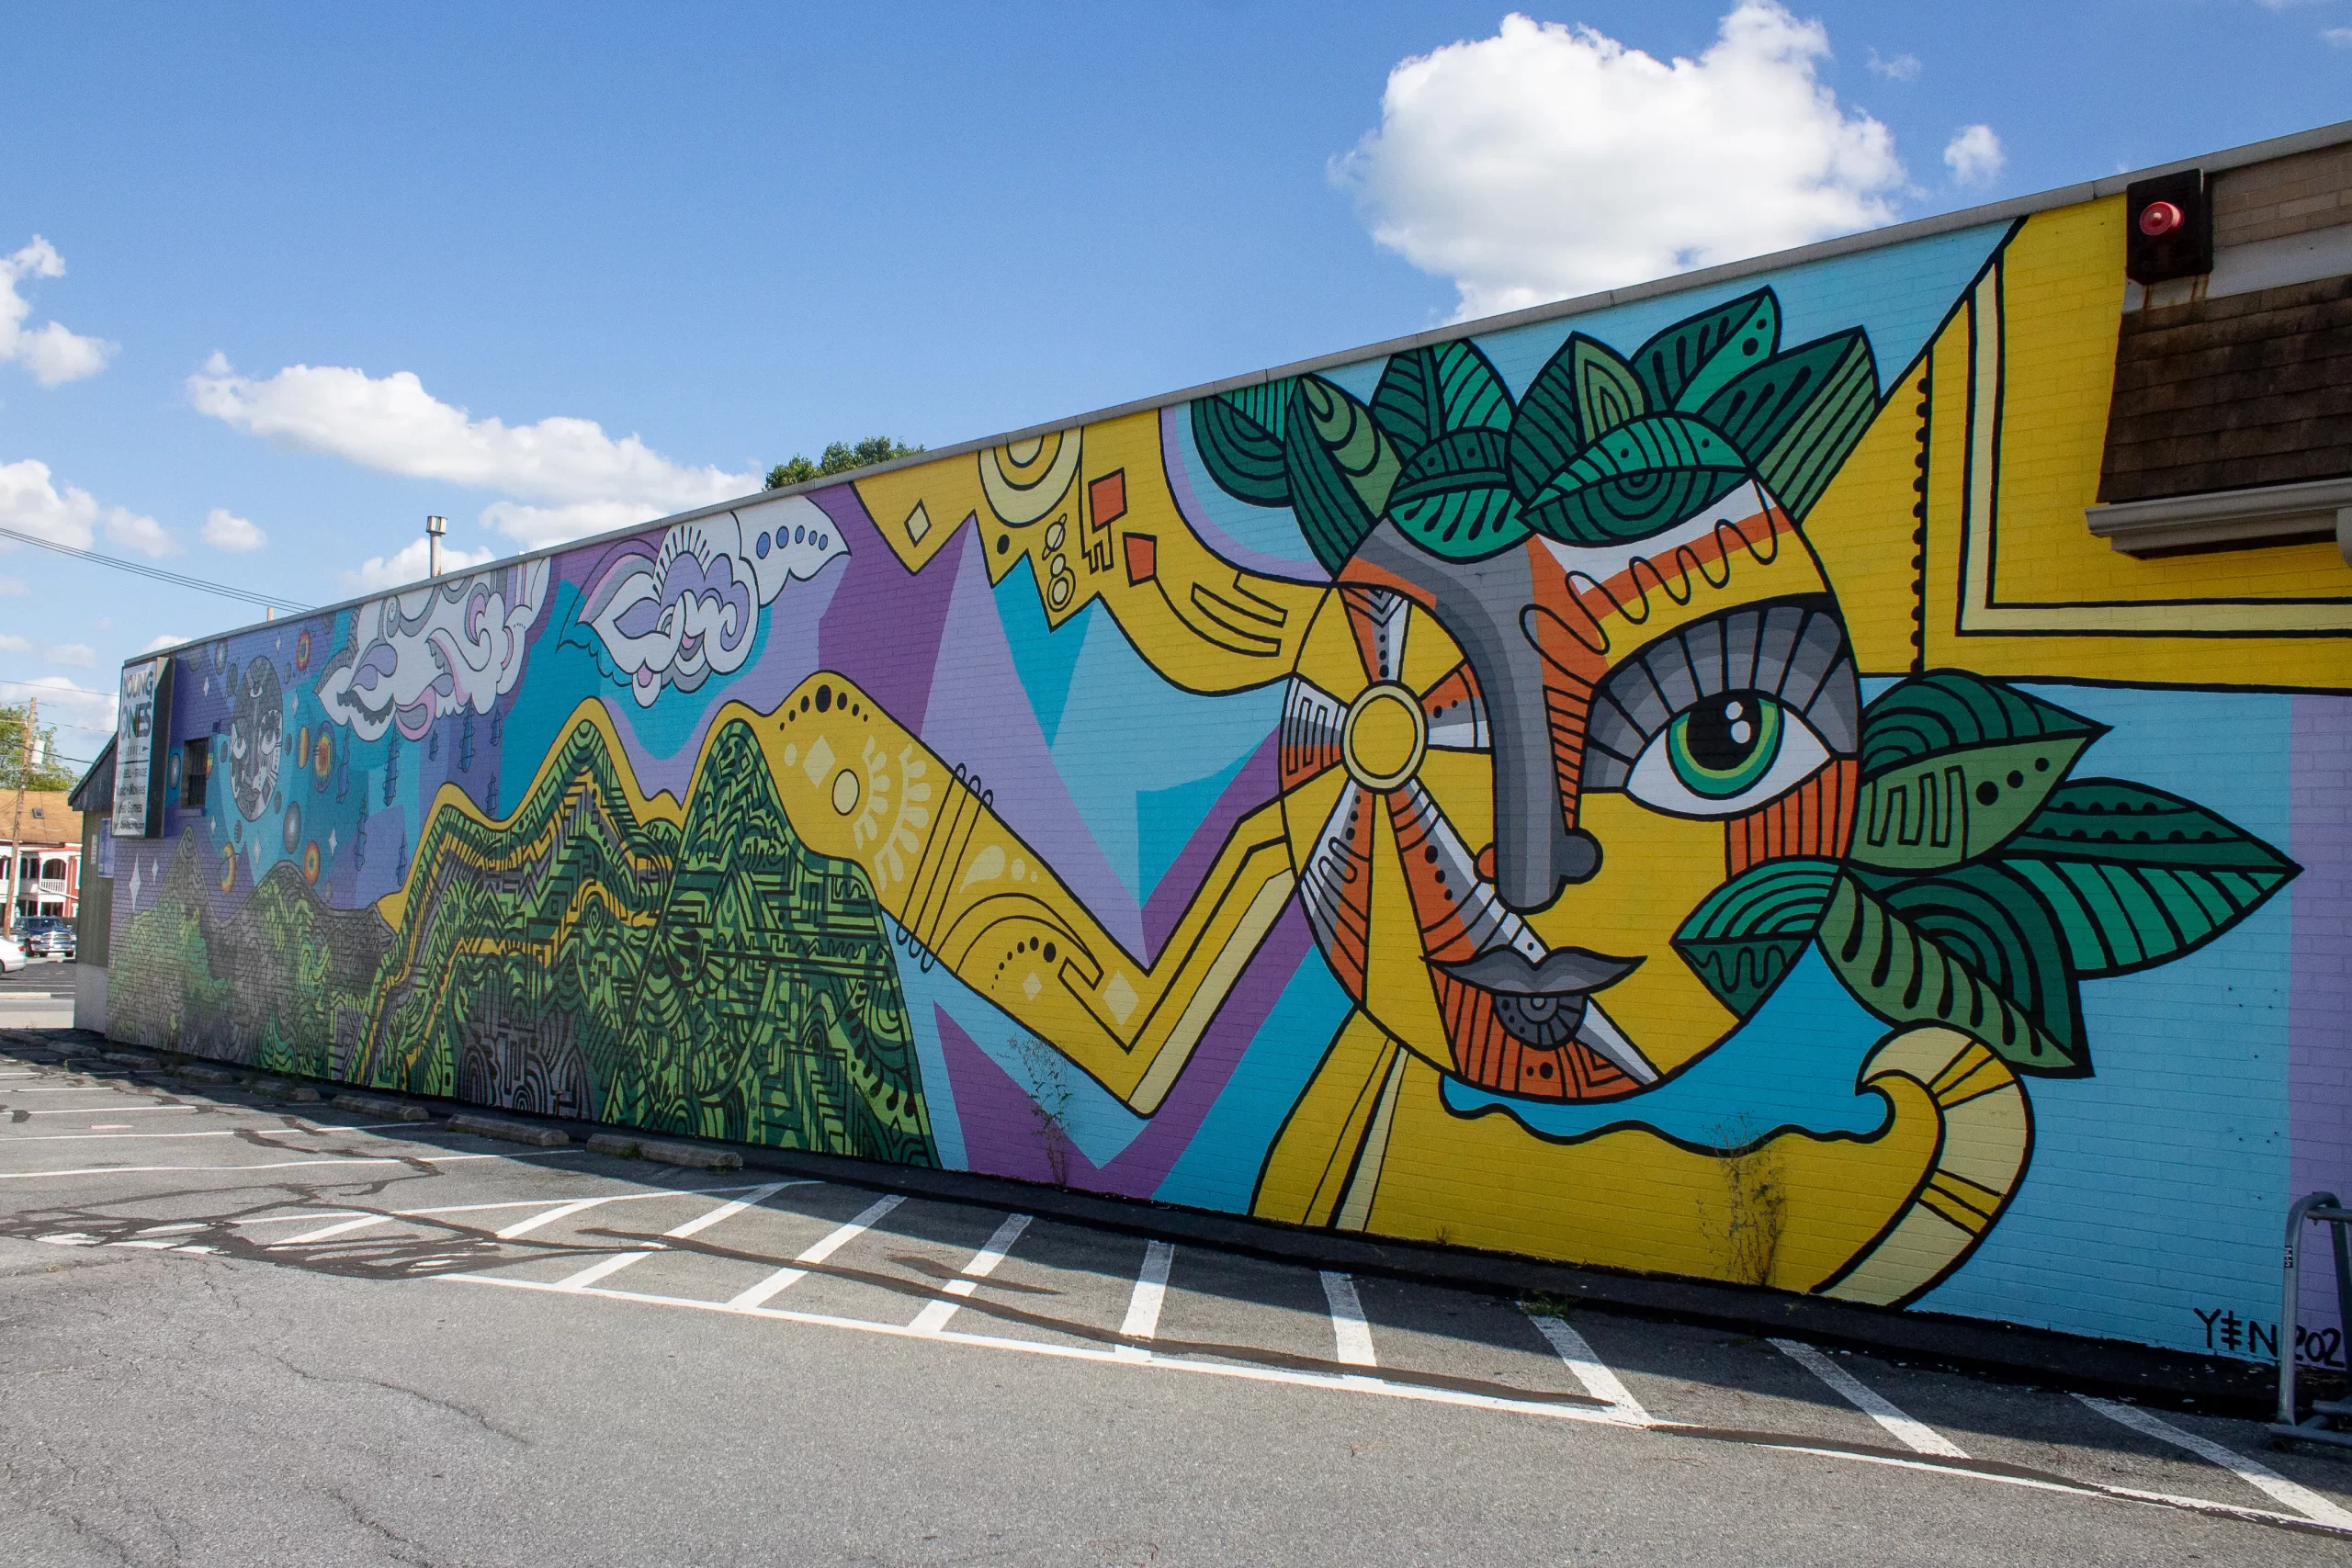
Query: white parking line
[[1350, 1332], [2254, 1472], [834, 1240], [277, 1165], [934, 1318], [549, 1217], [1143, 1305], [360, 1219], [603, 1268], [361, 1224], [223, 1132], [1589, 1369], [107, 1110], [1917, 1436]]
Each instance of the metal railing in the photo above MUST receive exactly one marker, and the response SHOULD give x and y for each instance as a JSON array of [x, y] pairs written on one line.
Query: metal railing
[[2320, 1426]]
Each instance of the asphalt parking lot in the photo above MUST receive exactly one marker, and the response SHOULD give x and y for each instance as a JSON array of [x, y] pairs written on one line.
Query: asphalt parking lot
[[242, 1330]]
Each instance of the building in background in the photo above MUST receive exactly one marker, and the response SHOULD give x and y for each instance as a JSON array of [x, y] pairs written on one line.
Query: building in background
[[42, 874], [1828, 772]]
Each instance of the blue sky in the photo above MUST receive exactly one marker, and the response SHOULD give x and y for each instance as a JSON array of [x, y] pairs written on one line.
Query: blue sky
[[739, 232]]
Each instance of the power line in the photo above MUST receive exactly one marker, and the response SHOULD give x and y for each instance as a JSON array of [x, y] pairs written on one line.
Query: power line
[[157, 572]]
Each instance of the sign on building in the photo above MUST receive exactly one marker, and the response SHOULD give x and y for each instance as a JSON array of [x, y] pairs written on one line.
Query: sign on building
[[139, 754]]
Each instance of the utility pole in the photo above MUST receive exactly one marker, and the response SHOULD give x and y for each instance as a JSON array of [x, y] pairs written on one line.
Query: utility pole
[[434, 528], [17, 828]]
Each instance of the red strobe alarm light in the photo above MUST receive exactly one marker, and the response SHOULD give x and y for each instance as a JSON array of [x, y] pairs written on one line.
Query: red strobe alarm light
[[2161, 218]]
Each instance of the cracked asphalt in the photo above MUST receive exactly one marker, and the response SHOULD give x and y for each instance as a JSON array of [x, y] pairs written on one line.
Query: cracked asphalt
[[246, 1330]]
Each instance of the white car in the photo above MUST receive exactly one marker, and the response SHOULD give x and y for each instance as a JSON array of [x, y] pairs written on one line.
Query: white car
[[12, 956]]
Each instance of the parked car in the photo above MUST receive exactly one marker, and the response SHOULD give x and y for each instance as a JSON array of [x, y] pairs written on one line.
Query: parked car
[[12, 956], [46, 936]]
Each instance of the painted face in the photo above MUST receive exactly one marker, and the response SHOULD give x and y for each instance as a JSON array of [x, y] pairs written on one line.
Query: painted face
[[256, 736], [1510, 782]]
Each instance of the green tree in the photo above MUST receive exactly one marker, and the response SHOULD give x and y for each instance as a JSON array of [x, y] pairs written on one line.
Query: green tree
[[839, 457], [47, 771]]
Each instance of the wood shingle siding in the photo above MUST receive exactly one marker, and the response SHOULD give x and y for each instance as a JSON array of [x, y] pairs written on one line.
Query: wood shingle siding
[[2227, 394]]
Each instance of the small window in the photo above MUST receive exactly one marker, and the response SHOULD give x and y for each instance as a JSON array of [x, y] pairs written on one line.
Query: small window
[[194, 769]]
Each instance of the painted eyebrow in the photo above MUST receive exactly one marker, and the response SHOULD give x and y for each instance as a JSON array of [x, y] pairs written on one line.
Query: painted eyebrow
[[1794, 652]]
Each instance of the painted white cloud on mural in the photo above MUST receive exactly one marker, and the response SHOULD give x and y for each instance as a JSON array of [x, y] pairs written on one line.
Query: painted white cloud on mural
[[442, 647], [33, 503], [561, 479], [1551, 161], [53, 355], [692, 606]]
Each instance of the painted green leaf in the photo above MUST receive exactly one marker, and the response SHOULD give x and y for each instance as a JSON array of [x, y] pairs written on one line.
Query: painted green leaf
[[1426, 393], [1241, 438], [1799, 414], [1993, 923], [1906, 975], [1608, 392], [1646, 474], [1689, 361], [2137, 876], [1750, 931], [1950, 710], [1338, 466], [1454, 500], [1546, 432], [1953, 765]]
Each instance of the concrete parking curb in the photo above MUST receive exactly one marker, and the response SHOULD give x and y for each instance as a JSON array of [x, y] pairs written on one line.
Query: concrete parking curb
[[540, 1135], [391, 1110], [693, 1155]]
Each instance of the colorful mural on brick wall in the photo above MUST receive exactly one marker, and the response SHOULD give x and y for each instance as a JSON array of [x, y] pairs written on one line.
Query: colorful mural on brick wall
[[1674, 788]]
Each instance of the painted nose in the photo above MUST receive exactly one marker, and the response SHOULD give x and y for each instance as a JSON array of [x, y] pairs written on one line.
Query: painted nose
[[1531, 876]]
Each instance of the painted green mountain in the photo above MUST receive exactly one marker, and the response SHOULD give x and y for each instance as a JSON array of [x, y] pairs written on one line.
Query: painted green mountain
[[714, 978]]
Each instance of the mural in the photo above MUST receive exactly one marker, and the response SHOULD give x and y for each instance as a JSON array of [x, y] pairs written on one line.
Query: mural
[[1596, 790]]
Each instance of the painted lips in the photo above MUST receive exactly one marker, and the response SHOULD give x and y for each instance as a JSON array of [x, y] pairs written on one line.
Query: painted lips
[[1549, 1001]]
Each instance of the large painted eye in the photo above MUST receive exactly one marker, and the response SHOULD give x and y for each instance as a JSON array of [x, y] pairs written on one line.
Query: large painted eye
[[1729, 752]]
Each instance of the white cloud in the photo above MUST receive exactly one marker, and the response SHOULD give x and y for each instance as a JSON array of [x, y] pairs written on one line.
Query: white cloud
[[81, 655], [380, 572], [72, 706], [1549, 161], [53, 355], [13, 588], [157, 644], [11, 643], [1975, 155], [563, 478], [1902, 68], [224, 530], [2337, 38], [31, 503]]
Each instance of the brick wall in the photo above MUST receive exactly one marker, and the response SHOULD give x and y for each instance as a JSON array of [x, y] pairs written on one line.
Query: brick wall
[[2288, 196]]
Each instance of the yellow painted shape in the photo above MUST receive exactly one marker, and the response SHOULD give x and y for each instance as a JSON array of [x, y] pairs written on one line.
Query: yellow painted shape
[[1463, 784], [1202, 624], [1431, 655], [1328, 658], [1306, 1172], [1306, 808], [1398, 992], [1862, 527], [1631, 1199], [393, 906], [2034, 592], [1655, 870], [932, 850]]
